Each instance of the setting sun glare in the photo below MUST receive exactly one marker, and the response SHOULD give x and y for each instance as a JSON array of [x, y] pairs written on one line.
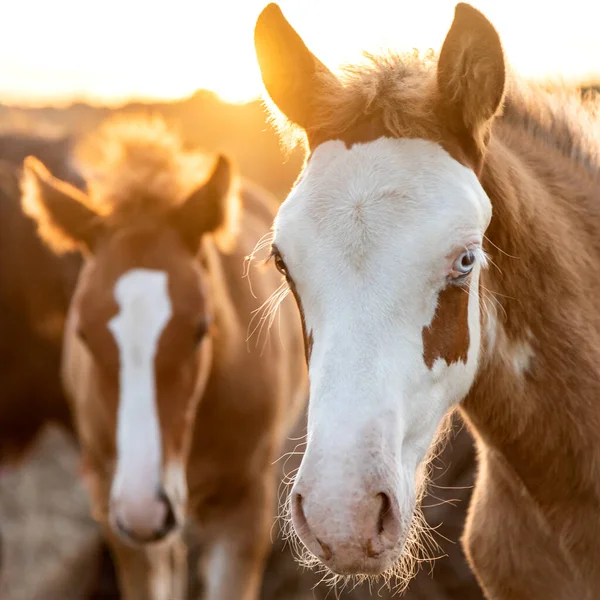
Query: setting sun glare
[[120, 50]]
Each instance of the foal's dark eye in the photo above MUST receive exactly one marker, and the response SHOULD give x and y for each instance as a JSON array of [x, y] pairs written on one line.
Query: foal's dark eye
[[279, 264], [201, 330], [81, 334], [463, 265]]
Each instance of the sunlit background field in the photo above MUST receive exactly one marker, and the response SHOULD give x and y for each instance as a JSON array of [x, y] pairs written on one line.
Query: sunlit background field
[[65, 65], [119, 50]]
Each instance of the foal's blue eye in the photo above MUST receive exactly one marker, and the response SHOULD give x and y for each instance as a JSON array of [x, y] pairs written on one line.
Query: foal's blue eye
[[465, 262]]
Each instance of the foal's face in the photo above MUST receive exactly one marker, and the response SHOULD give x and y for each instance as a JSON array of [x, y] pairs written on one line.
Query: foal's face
[[381, 242], [141, 322], [142, 312]]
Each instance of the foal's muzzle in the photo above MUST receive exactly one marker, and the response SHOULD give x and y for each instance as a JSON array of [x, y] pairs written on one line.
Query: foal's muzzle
[[145, 519]]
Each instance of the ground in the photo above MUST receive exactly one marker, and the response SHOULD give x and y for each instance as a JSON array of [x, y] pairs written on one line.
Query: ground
[[51, 549]]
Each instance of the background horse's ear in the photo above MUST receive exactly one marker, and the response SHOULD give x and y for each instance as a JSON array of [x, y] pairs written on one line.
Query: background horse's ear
[[290, 71], [471, 73], [64, 219], [212, 208]]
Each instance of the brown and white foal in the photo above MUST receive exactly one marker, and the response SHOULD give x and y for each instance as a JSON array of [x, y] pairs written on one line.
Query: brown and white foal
[[443, 244], [175, 416]]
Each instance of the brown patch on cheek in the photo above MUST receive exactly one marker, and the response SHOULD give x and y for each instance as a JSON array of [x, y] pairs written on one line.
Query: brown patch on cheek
[[447, 336], [308, 337]]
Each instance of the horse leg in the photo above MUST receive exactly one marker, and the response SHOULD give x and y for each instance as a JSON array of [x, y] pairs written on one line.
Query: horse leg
[[237, 544], [152, 572]]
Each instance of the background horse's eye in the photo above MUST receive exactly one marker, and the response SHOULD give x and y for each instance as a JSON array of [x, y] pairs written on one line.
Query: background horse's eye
[[201, 330], [81, 334], [280, 265], [463, 265]]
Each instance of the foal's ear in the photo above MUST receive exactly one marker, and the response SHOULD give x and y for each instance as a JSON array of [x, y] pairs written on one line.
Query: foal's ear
[[62, 213], [211, 208], [471, 73], [290, 71]]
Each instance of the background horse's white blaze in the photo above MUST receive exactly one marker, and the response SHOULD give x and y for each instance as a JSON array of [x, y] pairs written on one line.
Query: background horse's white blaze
[[145, 309], [368, 236]]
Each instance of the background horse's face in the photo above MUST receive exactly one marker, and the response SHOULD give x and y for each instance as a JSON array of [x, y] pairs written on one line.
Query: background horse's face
[[138, 346], [381, 242], [142, 313]]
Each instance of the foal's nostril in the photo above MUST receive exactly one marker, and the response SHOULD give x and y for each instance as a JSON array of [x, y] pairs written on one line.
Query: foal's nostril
[[387, 528], [389, 523], [384, 512], [303, 530], [298, 515], [170, 521]]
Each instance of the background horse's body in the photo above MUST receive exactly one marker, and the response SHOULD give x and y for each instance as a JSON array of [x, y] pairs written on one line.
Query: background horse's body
[[35, 289], [218, 450]]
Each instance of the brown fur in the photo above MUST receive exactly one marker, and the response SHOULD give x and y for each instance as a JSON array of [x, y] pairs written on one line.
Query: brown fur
[[35, 287], [534, 524], [144, 192], [135, 169], [447, 336], [399, 94]]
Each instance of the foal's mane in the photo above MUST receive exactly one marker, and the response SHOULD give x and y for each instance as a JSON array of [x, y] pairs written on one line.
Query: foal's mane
[[137, 166], [560, 116], [401, 89]]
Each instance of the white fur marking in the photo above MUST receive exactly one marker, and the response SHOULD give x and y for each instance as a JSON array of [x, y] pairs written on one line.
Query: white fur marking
[[517, 353], [145, 309], [491, 326], [366, 234], [522, 355]]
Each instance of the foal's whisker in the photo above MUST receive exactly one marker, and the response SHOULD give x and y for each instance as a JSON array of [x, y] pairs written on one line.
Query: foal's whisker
[[265, 241], [499, 294], [492, 262], [269, 319], [500, 249], [286, 456], [489, 295], [263, 312], [450, 487], [295, 439], [273, 312], [441, 502]]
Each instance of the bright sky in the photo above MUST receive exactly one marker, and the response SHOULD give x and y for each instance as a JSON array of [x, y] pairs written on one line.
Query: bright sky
[[115, 50]]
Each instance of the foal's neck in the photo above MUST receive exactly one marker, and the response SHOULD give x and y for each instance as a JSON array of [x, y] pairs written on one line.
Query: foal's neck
[[536, 400]]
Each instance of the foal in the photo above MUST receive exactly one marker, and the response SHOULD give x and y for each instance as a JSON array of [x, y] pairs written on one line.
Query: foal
[[443, 245], [175, 416]]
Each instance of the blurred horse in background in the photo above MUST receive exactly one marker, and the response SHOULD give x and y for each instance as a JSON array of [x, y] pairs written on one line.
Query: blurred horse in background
[[35, 290], [174, 415]]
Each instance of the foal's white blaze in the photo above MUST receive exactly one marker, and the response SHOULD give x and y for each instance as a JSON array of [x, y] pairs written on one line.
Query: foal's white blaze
[[368, 235], [145, 309]]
